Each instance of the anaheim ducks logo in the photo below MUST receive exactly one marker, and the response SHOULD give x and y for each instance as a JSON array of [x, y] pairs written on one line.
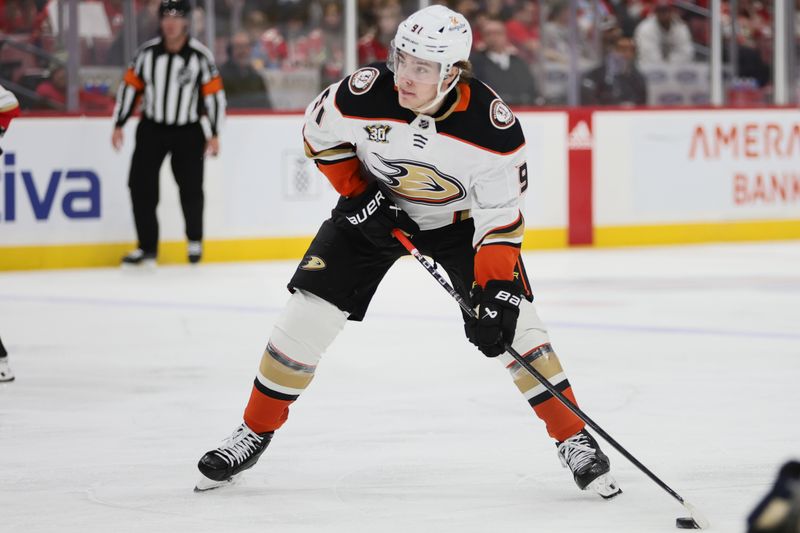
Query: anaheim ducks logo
[[312, 262], [420, 183]]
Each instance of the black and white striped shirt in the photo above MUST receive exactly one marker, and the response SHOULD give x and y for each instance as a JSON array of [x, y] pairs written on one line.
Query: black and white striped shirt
[[176, 88]]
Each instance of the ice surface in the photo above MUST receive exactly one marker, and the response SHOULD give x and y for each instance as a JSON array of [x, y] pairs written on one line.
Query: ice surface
[[689, 356]]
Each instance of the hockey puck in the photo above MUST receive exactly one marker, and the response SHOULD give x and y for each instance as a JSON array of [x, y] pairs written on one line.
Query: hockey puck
[[686, 522]]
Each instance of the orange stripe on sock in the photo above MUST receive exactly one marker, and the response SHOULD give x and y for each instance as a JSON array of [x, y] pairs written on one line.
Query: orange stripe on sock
[[264, 413], [561, 422]]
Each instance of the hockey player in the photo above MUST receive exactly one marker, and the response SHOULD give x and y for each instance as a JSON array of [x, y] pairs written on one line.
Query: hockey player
[[415, 144], [9, 108], [779, 510]]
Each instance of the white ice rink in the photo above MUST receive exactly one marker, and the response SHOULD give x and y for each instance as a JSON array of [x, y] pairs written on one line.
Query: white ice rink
[[689, 356]]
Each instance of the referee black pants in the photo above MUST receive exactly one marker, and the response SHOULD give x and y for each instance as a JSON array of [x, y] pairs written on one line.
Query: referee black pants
[[186, 146]]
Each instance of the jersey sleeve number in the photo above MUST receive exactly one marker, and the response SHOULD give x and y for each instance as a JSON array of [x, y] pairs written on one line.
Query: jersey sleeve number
[[318, 105], [523, 177]]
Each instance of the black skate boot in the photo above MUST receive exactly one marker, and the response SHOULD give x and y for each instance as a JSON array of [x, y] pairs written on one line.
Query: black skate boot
[[139, 258], [588, 464], [238, 453], [195, 252]]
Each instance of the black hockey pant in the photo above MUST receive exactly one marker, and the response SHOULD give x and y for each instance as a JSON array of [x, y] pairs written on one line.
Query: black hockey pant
[[186, 145]]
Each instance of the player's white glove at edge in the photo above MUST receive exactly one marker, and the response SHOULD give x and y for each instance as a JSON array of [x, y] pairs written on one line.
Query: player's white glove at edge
[[375, 215], [497, 306]]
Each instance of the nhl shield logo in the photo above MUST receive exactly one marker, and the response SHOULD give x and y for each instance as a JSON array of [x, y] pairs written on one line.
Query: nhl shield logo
[[501, 115], [185, 75], [361, 81]]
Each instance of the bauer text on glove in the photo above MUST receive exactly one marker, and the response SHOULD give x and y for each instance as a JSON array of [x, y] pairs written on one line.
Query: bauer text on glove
[[375, 215], [497, 306]]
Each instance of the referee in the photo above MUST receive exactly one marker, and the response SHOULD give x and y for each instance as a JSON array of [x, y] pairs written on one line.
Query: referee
[[175, 77]]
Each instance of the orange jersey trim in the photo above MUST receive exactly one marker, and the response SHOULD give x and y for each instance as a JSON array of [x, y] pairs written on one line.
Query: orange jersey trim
[[212, 86], [344, 175], [495, 261], [464, 96], [133, 80]]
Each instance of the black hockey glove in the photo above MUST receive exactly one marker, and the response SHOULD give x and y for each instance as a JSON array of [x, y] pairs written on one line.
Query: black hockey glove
[[375, 214], [497, 306]]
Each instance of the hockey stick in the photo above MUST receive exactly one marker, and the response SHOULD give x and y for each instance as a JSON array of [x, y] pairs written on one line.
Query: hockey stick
[[697, 520]]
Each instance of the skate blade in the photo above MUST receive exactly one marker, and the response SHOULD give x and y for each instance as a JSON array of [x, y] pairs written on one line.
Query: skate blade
[[205, 484], [148, 265], [605, 486]]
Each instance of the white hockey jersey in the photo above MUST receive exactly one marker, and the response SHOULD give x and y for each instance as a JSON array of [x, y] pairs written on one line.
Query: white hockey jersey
[[467, 160]]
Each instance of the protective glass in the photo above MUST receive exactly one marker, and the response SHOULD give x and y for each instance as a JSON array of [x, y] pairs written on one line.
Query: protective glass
[[418, 70]]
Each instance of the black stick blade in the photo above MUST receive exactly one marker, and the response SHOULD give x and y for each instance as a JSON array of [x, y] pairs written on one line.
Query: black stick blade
[[686, 522]]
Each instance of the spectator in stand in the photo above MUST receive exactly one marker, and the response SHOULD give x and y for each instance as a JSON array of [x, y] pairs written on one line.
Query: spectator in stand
[[198, 24], [523, 30], [502, 70], [499, 9], [663, 38], [17, 16], [616, 81], [269, 48], [628, 14], [146, 29], [331, 59], [53, 90], [295, 32], [245, 87], [375, 45], [556, 36], [52, 94], [754, 29], [468, 8]]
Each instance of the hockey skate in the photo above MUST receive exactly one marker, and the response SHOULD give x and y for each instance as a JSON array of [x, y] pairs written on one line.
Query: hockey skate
[[195, 252], [139, 258], [239, 452], [5, 371], [588, 464]]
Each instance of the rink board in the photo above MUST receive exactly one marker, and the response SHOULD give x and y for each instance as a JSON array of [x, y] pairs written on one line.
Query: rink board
[[656, 177]]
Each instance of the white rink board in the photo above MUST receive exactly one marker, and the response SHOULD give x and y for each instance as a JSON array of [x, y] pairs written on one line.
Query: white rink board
[[696, 166], [261, 186]]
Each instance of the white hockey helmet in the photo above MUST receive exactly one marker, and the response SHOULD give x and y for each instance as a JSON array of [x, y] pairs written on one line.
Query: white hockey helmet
[[435, 33]]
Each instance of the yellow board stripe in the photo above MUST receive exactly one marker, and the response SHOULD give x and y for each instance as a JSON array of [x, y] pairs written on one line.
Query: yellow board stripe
[[693, 233], [174, 252], [276, 248], [540, 239], [109, 254]]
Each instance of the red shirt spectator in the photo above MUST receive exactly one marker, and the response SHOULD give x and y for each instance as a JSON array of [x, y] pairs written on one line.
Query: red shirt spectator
[[523, 30], [54, 89]]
